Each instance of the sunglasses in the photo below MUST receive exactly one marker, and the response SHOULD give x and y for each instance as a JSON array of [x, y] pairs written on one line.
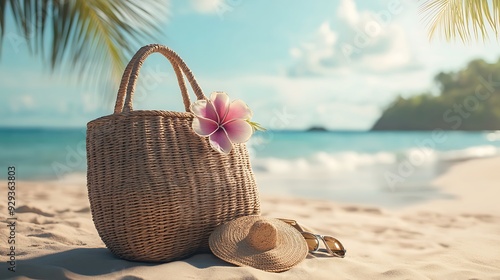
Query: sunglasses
[[332, 245]]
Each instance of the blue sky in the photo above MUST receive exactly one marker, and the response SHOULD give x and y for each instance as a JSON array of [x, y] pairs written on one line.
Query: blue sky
[[295, 63]]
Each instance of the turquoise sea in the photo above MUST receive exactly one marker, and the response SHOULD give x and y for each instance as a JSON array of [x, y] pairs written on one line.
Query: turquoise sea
[[386, 168]]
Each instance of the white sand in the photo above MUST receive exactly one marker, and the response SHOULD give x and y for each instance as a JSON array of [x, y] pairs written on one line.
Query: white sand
[[441, 239]]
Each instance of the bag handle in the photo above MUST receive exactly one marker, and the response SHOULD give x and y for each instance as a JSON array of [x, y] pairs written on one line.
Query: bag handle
[[131, 73]]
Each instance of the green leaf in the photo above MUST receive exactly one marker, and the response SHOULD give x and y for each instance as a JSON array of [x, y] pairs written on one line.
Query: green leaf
[[256, 126], [95, 38]]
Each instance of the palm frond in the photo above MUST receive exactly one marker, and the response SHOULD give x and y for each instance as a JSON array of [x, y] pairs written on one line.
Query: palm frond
[[464, 19], [2, 21], [93, 37], [496, 15]]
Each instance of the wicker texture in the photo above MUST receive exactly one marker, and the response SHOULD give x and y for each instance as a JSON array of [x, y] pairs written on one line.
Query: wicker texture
[[156, 189]]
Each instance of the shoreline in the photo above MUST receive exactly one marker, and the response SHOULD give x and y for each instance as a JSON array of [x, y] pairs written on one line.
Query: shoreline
[[438, 239], [410, 194]]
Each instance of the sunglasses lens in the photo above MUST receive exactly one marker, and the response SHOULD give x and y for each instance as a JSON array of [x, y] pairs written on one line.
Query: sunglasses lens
[[312, 241], [335, 245]]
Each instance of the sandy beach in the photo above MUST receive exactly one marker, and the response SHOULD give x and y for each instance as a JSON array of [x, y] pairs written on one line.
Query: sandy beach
[[453, 238]]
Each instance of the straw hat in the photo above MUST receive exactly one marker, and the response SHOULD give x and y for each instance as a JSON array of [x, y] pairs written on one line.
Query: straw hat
[[262, 243]]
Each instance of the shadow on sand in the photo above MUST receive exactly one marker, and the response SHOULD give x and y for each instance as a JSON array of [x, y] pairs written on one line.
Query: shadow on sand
[[94, 262]]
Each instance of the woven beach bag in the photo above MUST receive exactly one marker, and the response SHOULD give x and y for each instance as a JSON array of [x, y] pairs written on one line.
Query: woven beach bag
[[157, 189]]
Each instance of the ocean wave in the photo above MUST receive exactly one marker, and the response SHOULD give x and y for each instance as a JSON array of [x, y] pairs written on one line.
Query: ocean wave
[[470, 153], [323, 162], [493, 136]]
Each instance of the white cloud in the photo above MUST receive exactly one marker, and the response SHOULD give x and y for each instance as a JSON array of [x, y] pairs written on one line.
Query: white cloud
[[361, 40], [348, 12], [207, 6], [329, 37], [24, 102], [345, 101], [397, 55], [219, 8], [340, 114], [310, 55], [38, 80], [90, 102], [28, 101]]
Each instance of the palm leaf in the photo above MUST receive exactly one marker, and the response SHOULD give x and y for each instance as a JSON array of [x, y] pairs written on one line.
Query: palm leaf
[[93, 37], [464, 19]]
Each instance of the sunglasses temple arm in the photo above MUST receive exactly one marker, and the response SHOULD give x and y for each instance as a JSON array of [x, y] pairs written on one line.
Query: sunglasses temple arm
[[328, 249], [293, 223]]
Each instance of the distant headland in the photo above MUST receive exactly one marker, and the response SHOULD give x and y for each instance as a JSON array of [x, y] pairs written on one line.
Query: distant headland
[[468, 99]]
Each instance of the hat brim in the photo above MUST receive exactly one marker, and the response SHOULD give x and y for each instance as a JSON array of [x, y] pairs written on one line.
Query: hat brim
[[227, 242]]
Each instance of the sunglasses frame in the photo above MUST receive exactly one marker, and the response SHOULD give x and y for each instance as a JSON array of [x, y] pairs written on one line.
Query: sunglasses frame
[[336, 253]]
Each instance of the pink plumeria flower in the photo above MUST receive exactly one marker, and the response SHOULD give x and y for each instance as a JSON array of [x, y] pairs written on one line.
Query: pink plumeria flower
[[222, 121]]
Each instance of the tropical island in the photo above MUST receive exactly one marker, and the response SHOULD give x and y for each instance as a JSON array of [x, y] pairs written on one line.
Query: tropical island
[[468, 99], [316, 129]]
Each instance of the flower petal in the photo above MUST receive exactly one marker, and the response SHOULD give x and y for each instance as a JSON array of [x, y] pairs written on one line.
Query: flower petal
[[199, 108], [204, 109], [238, 131], [204, 127], [220, 142], [220, 100], [238, 110]]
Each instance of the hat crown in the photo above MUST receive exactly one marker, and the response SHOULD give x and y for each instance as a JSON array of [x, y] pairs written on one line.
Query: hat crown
[[263, 236]]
